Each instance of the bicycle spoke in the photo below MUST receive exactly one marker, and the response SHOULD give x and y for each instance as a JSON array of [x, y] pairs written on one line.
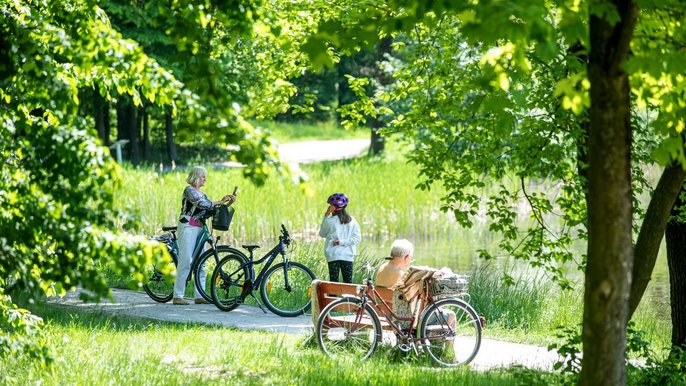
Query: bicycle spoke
[[206, 266], [159, 287], [451, 332], [227, 284], [346, 329], [291, 300]]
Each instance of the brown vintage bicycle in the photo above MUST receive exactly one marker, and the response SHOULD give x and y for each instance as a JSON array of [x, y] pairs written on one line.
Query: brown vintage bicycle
[[447, 329]]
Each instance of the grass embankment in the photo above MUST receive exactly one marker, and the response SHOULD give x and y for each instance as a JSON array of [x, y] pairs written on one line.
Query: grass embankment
[[95, 349]]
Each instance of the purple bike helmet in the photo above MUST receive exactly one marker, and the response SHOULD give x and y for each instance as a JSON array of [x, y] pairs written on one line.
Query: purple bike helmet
[[339, 200]]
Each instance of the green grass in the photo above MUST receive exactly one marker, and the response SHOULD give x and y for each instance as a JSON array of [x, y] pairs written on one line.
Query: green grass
[[97, 349], [292, 132], [383, 201]]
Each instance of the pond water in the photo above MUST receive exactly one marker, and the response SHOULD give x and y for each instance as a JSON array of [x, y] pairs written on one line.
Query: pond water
[[461, 255]]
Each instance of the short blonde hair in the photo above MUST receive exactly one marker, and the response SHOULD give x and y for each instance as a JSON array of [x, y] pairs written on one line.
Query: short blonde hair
[[195, 174], [402, 248]]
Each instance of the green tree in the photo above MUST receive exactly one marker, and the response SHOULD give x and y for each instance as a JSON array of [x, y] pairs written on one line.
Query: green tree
[[591, 44], [57, 181]]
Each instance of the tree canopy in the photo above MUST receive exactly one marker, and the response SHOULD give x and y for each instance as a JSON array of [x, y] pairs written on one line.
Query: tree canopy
[[57, 181]]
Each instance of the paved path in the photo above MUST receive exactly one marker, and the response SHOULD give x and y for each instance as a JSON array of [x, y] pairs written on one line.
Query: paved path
[[492, 354], [314, 151]]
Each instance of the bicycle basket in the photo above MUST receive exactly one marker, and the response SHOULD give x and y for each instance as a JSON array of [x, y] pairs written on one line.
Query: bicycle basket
[[222, 218], [448, 285]]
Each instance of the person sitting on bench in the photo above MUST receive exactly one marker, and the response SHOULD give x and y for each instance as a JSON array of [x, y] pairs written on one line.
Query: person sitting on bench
[[392, 274], [400, 259]]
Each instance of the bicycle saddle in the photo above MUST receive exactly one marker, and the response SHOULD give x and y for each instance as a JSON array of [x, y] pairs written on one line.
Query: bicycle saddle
[[169, 228], [250, 248]]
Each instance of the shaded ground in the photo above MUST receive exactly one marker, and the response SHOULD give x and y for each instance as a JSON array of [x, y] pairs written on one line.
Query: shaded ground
[[493, 353]]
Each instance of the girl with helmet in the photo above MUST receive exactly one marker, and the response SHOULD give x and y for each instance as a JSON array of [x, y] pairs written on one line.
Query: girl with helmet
[[342, 234]]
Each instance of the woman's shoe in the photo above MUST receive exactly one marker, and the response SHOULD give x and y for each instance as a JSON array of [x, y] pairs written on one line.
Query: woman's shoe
[[201, 301], [180, 302]]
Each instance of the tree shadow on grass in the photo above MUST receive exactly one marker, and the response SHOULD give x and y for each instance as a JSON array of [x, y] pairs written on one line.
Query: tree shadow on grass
[[101, 319]]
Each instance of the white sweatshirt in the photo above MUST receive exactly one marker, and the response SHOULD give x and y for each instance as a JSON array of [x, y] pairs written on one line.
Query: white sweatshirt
[[348, 236]]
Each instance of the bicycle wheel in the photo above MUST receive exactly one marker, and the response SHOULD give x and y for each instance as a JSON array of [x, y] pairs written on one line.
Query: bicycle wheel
[[292, 300], [202, 271], [347, 329], [450, 330], [159, 287], [227, 284]]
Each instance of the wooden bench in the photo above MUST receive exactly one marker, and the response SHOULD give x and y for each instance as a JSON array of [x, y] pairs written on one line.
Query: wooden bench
[[326, 292]]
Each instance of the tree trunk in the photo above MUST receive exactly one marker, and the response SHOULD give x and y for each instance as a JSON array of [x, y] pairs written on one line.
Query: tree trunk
[[675, 239], [610, 252], [343, 93], [102, 112], [126, 128], [377, 144], [107, 121], [652, 229], [147, 151], [122, 131], [134, 133], [383, 48], [169, 131]]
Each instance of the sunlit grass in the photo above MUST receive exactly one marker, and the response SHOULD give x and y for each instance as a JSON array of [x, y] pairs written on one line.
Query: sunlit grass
[[95, 349], [382, 199]]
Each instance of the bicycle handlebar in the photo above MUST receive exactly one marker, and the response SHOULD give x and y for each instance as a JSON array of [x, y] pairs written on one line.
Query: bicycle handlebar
[[286, 237]]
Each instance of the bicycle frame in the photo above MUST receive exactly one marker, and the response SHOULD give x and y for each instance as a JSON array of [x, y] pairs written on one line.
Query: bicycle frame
[[269, 257], [204, 237], [369, 295]]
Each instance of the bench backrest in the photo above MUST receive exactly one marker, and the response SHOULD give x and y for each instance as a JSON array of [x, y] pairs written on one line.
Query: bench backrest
[[325, 292]]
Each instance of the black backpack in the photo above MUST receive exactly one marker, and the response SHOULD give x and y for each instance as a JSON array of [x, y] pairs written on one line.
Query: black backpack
[[222, 218]]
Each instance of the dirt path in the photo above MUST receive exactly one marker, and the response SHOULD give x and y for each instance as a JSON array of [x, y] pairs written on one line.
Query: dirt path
[[493, 353]]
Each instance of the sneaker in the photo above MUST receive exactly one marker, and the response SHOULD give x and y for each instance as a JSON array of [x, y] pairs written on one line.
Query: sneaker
[[201, 301], [180, 302]]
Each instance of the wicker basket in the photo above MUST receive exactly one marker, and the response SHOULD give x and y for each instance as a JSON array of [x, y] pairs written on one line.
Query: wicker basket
[[448, 286]]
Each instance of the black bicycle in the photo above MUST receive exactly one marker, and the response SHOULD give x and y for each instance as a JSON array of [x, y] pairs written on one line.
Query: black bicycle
[[161, 288], [284, 287]]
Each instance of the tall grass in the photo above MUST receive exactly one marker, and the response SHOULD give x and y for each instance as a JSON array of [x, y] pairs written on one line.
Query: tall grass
[[382, 199]]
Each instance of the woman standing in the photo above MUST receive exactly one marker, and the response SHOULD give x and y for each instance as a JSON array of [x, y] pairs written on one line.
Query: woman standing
[[195, 206], [342, 234]]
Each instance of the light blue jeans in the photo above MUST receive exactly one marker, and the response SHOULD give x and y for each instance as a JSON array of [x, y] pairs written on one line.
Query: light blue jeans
[[187, 236]]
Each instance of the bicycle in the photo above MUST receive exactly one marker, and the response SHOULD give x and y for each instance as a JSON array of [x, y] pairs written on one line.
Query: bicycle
[[351, 326], [284, 287], [161, 288]]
